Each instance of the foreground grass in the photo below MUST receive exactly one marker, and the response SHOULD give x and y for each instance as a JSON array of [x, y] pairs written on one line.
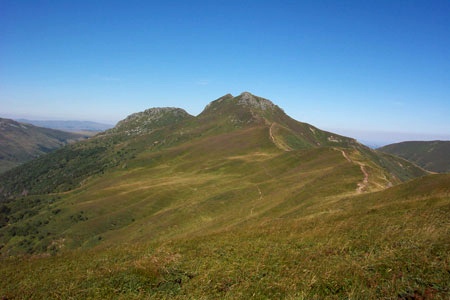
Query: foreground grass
[[386, 245]]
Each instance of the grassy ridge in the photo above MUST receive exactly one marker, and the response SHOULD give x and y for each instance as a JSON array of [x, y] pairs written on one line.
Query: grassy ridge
[[245, 120], [179, 195], [140, 187]]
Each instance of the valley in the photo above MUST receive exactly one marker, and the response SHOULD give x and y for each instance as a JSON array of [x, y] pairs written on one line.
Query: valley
[[22, 142]]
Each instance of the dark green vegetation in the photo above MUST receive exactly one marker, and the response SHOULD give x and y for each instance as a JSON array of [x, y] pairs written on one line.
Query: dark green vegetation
[[21, 142], [239, 202], [433, 156]]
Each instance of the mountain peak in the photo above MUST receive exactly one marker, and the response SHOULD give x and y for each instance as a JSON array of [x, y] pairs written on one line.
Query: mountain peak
[[245, 99], [150, 119], [248, 99], [242, 110]]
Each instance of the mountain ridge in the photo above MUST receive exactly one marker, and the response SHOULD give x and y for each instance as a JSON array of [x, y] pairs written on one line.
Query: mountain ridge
[[21, 142], [430, 155], [159, 129]]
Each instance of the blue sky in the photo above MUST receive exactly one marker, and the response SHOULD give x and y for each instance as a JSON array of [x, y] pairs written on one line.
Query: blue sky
[[361, 68]]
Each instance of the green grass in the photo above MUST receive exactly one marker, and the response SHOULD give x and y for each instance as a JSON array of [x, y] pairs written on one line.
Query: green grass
[[384, 245]]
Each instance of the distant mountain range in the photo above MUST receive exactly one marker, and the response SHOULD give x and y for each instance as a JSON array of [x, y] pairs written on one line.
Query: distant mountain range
[[20, 142], [71, 126], [430, 155], [239, 202]]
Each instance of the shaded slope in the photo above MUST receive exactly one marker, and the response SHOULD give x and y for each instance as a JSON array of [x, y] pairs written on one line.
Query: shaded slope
[[433, 155], [21, 142]]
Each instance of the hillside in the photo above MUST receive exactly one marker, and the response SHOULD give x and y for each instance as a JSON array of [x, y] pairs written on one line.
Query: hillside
[[430, 155], [391, 244], [240, 201], [22, 142], [228, 126]]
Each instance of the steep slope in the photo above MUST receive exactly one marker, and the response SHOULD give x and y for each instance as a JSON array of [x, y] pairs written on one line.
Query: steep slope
[[22, 142], [230, 113], [286, 133], [430, 155]]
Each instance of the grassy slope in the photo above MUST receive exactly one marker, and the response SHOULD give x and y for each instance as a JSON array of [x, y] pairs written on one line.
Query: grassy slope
[[189, 222], [388, 244], [432, 155], [207, 183]]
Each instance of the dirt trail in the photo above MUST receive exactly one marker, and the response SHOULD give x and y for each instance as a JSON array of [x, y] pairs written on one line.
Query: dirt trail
[[279, 145], [345, 156], [362, 185]]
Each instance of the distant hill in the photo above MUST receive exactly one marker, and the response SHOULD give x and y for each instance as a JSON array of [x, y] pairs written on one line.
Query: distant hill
[[71, 126], [20, 142], [430, 155]]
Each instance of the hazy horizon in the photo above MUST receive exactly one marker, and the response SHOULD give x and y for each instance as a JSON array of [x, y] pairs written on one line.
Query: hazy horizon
[[370, 138], [380, 71]]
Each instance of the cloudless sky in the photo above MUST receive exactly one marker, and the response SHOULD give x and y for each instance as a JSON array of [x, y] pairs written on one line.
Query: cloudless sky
[[359, 67]]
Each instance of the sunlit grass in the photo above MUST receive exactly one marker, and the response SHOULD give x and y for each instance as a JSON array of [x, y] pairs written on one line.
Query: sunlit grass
[[389, 244]]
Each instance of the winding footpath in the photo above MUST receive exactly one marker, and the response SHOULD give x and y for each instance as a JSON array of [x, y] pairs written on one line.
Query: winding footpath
[[365, 182], [277, 143], [362, 185]]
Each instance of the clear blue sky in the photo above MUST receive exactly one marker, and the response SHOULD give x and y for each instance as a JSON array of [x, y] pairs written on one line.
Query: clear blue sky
[[347, 66]]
